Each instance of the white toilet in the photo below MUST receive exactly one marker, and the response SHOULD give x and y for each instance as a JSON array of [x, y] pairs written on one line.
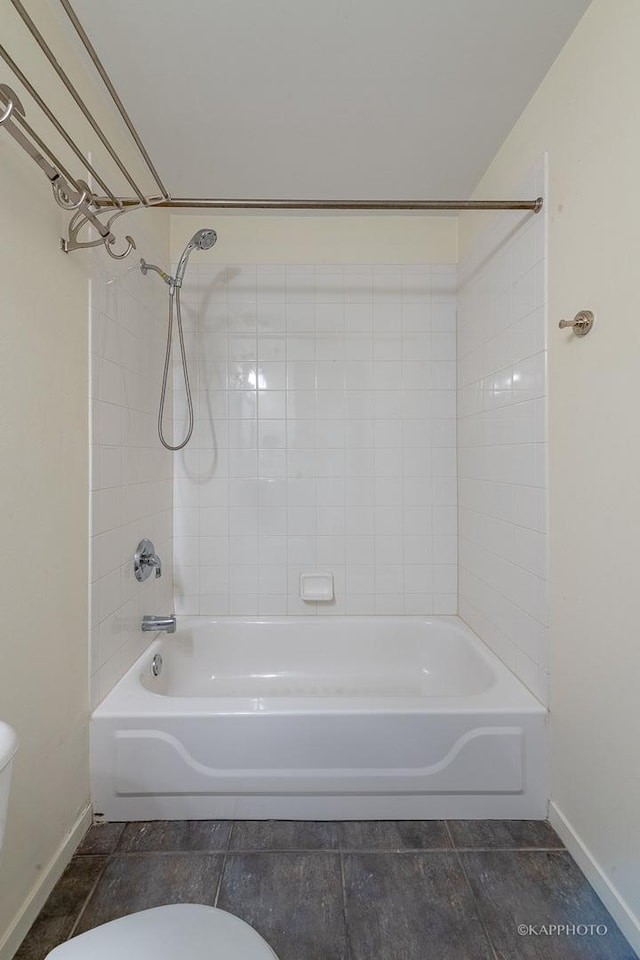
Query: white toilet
[[180, 931]]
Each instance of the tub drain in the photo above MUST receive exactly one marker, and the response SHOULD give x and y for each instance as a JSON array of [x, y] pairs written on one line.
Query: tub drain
[[156, 665]]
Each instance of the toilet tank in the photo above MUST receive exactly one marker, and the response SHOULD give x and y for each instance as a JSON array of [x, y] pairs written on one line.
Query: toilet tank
[[8, 746]]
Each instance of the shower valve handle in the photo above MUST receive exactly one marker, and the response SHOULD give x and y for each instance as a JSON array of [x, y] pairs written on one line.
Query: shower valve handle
[[145, 560]]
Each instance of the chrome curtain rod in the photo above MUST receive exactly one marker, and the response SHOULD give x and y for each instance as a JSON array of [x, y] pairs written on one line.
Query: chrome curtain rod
[[235, 204]]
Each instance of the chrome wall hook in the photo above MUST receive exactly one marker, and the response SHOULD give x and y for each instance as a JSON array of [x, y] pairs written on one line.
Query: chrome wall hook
[[110, 240], [131, 245], [581, 323], [85, 214]]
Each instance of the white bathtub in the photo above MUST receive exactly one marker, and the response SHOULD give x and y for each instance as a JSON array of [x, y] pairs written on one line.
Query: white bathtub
[[320, 718]]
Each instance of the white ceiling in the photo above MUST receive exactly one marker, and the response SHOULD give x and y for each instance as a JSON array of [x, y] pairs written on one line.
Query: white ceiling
[[326, 99]]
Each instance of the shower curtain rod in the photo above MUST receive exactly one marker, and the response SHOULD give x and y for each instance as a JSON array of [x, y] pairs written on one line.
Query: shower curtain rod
[[237, 204]]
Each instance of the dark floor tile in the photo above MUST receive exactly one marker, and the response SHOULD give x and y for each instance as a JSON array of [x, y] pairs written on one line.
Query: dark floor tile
[[294, 900], [511, 834], [137, 883], [100, 839], [284, 835], [56, 919], [536, 887], [393, 834], [411, 906], [155, 836]]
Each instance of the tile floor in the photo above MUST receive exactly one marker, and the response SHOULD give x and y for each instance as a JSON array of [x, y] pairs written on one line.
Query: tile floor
[[410, 890]]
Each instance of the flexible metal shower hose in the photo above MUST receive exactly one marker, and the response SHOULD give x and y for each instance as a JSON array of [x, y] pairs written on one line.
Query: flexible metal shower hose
[[185, 370]]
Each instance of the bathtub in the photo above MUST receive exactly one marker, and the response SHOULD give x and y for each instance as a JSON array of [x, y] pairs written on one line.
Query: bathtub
[[319, 718]]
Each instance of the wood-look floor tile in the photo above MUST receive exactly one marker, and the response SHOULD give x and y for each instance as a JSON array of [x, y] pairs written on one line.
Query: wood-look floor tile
[[156, 836], [294, 900], [393, 834], [284, 835], [411, 906], [137, 883], [537, 887], [509, 834], [56, 919], [100, 839]]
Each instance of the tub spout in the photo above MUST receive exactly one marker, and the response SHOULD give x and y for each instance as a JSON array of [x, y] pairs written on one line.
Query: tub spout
[[151, 624]]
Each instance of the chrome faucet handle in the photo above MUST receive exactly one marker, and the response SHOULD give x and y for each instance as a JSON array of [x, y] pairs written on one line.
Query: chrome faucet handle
[[145, 560]]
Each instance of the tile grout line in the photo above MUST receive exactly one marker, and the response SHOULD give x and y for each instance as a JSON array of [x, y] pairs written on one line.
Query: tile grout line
[[232, 828], [476, 903], [89, 896], [224, 864], [107, 860], [344, 908], [220, 878], [393, 851]]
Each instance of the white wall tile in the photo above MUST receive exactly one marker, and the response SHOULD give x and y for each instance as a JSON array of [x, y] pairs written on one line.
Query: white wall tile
[[335, 409], [131, 475], [502, 454]]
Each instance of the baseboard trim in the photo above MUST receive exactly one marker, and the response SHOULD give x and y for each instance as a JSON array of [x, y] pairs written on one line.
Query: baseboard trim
[[46, 882], [617, 906]]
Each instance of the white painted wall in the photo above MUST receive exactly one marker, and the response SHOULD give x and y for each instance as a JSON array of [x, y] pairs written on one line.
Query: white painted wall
[[585, 115], [43, 561], [502, 439], [319, 239], [44, 481], [131, 473]]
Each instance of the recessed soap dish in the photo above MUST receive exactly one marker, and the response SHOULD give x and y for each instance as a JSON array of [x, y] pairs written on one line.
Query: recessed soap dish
[[316, 587]]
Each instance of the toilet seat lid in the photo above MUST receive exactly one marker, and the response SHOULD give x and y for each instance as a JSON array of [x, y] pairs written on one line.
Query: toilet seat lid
[[179, 931]]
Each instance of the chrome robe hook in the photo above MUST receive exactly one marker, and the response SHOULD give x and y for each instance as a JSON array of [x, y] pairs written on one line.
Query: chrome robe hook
[[107, 237], [581, 323], [131, 245]]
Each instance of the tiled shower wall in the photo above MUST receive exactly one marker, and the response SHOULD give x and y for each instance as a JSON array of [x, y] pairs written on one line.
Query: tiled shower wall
[[131, 474], [503, 441], [325, 439]]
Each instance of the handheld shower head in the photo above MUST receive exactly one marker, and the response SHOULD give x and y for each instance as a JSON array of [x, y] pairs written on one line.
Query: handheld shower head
[[202, 240]]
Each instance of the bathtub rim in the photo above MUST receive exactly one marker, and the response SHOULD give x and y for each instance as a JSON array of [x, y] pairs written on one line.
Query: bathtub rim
[[130, 698]]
